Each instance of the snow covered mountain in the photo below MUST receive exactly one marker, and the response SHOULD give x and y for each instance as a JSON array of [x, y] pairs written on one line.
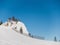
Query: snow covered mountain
[[12, 33]]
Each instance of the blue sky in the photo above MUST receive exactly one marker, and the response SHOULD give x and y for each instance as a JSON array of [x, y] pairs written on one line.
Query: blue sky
[[41, 17]]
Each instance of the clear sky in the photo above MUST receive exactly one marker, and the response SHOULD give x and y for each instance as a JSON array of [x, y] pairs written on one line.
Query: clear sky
[[41, 17]]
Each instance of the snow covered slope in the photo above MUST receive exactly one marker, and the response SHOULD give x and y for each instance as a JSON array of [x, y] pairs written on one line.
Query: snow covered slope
[[12, 34], [11, 37]]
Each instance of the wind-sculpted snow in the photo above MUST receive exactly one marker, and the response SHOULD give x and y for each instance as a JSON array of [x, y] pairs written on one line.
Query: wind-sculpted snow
[[11, 37]]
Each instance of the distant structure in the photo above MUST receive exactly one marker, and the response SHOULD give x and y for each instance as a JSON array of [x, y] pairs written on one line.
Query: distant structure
[[59, 40], [1, 22], [55, 39]]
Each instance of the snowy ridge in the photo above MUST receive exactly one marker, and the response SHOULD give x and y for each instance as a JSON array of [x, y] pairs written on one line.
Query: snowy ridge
[[9, 36]]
